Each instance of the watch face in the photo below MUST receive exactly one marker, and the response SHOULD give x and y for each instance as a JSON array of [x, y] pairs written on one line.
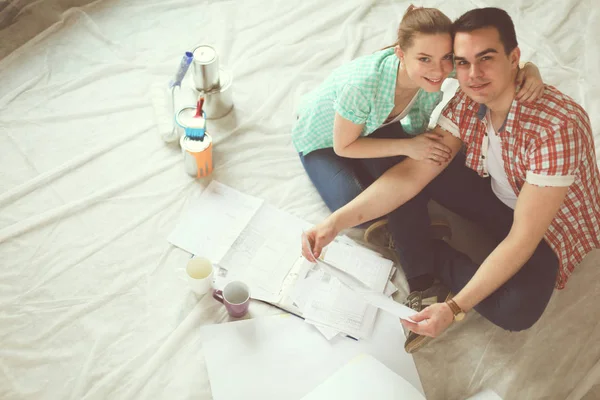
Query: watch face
[[460, 316]]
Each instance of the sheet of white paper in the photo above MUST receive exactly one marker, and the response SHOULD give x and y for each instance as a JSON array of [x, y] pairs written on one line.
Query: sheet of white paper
[[300, 295], [294, 296], [327, 331], [365, 378], [379, 300], [390, 289], [372, 297], [213, 221], [292, 356], [365, 265], [334, 304], [346, 239], [265, 251], [302, 290], [326, 301]]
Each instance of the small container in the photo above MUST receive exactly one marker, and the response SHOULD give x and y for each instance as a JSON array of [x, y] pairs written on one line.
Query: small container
[[197, 154], [219, 101], [206, 68], [200, 273]]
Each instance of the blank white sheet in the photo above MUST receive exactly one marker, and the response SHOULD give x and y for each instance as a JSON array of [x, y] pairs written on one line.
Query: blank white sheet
[[364, 377]]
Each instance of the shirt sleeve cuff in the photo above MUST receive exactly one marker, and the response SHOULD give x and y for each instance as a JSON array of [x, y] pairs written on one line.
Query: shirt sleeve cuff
[[350, 115], [546, 180], [448, 125]]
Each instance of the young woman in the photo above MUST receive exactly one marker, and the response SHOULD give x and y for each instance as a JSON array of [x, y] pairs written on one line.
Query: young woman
[[372, 112]]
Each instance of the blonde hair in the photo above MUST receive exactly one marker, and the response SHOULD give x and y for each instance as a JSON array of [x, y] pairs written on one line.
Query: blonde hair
[[421, 20]]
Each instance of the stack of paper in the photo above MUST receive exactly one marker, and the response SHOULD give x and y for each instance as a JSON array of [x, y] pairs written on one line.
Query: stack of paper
[[334, 307]]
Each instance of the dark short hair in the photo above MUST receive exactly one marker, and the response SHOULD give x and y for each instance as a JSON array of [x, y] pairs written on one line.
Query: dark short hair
[[486, 18]]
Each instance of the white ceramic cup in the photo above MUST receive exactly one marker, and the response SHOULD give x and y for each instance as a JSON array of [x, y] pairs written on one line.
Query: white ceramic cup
[[199, 273]]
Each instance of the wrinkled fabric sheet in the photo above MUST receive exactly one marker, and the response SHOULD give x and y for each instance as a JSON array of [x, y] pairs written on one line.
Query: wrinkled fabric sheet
[[93, 299]]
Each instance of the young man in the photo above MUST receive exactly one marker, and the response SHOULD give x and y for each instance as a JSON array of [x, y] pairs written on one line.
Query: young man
[[528, 176]]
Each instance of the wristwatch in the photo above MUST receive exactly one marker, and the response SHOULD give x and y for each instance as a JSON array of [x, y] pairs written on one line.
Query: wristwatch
[[459, 314]]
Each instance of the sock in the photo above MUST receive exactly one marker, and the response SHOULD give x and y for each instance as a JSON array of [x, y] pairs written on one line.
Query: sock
[[420, 283]]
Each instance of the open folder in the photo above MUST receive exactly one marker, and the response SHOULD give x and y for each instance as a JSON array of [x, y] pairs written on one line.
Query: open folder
[[314, 293]]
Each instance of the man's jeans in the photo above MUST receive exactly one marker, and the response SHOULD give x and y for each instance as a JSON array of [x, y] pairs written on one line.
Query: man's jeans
[[339, 179], [517, 304]]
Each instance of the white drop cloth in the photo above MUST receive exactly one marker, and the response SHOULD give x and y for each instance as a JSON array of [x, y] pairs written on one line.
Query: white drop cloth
[[93, 300]]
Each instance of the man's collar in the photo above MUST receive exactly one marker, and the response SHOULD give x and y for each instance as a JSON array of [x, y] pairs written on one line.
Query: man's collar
[[482, 111]]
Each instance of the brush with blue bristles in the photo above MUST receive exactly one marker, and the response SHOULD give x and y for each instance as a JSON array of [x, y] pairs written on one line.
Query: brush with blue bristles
[[197, 131]]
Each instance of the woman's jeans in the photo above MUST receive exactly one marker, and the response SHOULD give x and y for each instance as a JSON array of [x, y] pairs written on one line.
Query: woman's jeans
[[339, 179]]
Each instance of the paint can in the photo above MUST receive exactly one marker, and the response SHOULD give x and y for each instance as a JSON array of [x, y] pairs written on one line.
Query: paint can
[[206, 68], [218, 101], [197, 154]]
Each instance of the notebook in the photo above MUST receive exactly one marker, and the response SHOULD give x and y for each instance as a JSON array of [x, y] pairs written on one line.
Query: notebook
[[307, 290]]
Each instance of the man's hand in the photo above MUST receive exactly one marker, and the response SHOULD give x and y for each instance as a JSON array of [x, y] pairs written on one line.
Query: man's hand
[[432, 321]]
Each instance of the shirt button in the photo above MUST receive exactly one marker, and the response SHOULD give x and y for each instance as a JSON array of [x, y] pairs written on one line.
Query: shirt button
[[483, 157]]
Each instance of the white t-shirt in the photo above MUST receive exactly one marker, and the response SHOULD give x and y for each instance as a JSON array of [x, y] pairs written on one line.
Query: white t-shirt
[[404, 112], [495, 166]]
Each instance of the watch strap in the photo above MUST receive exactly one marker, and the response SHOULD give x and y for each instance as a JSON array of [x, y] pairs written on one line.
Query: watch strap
[[454, 307]]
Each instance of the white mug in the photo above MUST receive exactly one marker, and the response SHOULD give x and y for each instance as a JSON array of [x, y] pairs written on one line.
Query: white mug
[[199, 273]]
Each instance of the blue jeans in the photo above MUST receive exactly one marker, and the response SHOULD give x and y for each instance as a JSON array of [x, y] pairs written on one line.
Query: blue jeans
[[339, 179], [517, 304]]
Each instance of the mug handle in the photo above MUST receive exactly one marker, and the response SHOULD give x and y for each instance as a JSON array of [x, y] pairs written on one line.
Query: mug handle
[[218, 295]]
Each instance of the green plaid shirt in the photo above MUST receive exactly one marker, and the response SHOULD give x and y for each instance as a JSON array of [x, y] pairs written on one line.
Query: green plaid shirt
[[361, 91]]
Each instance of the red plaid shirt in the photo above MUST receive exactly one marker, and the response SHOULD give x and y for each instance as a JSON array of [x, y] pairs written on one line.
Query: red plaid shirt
[[547, 143]]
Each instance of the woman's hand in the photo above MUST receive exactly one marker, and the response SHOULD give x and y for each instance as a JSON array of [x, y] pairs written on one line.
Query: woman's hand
[[318, 237], [432, 321], [428, 147], [529, 82]]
